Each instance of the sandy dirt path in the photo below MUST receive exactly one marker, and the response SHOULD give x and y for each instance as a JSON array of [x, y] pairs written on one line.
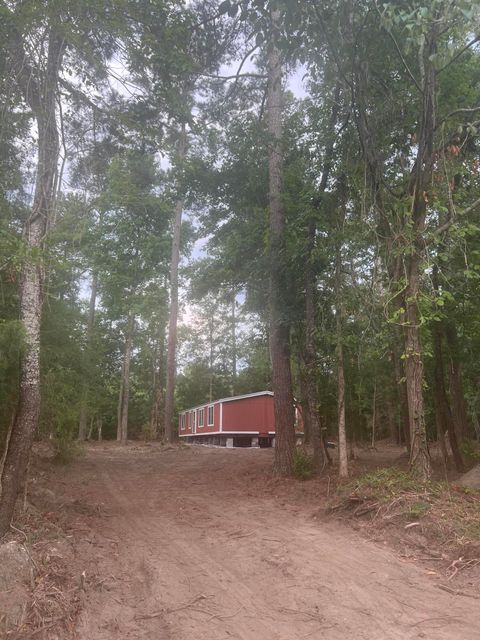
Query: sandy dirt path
[[184, 545]]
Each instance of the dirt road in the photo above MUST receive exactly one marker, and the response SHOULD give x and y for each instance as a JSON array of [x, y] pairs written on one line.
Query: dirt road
[[187, 544]]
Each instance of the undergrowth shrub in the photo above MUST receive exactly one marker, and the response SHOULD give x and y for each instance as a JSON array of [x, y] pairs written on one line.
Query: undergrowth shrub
[[471, 451], [66, 450], [303, 468]]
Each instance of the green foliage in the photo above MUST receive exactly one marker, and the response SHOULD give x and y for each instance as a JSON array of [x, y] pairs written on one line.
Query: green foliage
[[471, 450], [66, 450], [114, 219], [303, 467], [390, 482]]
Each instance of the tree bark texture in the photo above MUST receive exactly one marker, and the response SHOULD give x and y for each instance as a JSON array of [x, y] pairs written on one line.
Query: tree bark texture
[[234, 342], [120, 404], [414, 255], [306, 413], [279, 321], [156, 417], [312, 405], [342, 432], [125, 382], [173, 316], [419, 453], [40, 94], [82, 426]]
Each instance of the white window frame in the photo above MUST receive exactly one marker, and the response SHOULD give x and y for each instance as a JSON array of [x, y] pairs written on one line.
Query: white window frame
[[200, 415], [193, 421], [210, 408], [182, 421]]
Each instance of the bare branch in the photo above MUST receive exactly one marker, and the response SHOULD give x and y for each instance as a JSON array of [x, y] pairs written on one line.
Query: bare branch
[[456, 113], [237, 75], [446, 226], [461, 52]]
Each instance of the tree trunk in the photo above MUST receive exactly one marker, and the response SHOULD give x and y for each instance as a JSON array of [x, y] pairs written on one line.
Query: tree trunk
[[125, 384], [156, 413], [173, 317], [459, 409], [156, 420], [342, 433], [443, 414], [319, 452], [279, 322], [234, 343], [414, 252], [402, 399], [444, 418], [419, 453], [120, 404], [306, 411], [42, 100], [82, 427], [90, 430], [374, 413], [210, 357]]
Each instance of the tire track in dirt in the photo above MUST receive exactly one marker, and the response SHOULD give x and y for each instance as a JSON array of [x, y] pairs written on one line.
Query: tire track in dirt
[[217, 565]]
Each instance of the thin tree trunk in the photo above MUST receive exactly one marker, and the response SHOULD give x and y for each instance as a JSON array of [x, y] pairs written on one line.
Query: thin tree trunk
[[443, 414], [126, 379], [158, 373], [155, 417], [120, 403], [311, 413], [173, 317], [459, 409], [42, 100], [90, 430], [82, 427], [402, 399], [320, 456], [234, 343], [419, 453], [342, 432], [210, 358], [444, 418], [306, 412], [374, 413], [279, 323]]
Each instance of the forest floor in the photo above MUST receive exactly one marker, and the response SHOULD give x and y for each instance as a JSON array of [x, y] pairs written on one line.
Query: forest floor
[[196, 543]]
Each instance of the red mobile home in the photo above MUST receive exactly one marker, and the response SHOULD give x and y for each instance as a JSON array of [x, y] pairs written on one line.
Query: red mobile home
[[240, 421]]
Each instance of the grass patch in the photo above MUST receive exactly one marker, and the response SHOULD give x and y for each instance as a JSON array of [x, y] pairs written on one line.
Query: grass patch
[[391, 482], [446, 515]]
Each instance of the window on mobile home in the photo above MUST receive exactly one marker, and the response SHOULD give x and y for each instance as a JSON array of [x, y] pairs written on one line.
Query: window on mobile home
[[210, 416]]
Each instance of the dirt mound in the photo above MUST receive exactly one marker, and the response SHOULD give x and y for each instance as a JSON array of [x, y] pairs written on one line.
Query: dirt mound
[[471, 479]]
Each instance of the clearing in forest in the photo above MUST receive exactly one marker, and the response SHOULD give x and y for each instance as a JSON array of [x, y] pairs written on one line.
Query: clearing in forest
[[197, 543]]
